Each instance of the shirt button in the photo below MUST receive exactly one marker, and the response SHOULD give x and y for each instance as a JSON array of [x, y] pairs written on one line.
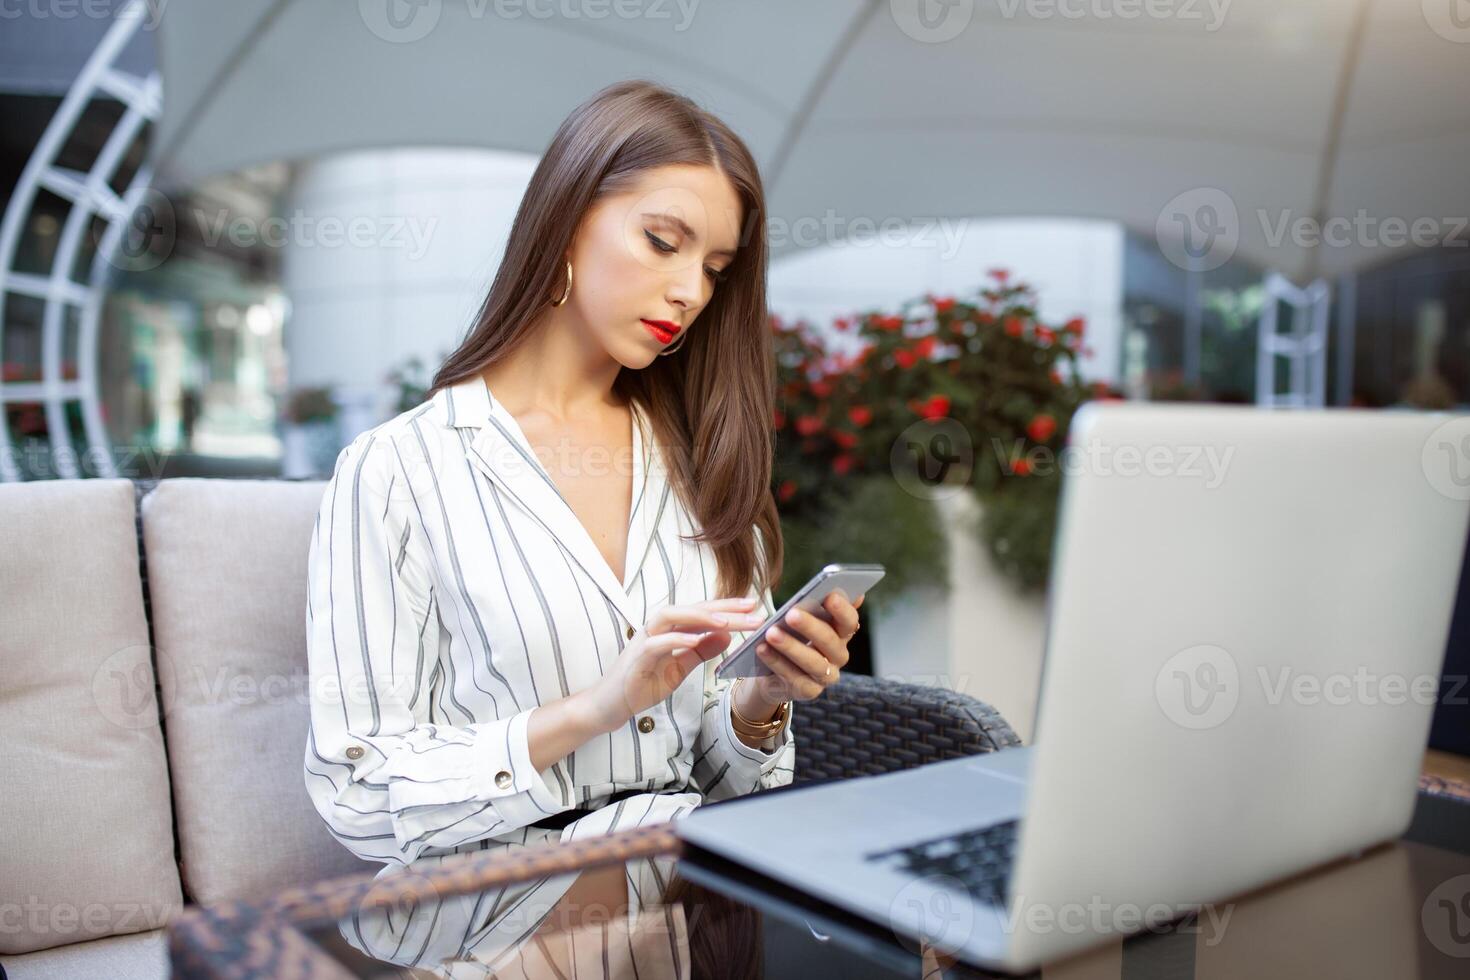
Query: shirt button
[[630, 632], [503, 779], [354, 752], [645, 724]]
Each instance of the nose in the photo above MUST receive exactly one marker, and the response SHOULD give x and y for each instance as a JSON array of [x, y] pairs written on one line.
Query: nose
[[684, 290]]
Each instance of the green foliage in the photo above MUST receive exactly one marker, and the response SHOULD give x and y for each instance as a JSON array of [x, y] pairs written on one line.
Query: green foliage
[[411, 381], [874, 520], [988, 363], [1017, 526]]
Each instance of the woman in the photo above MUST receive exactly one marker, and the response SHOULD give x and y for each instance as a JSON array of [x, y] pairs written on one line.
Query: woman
[[511, 584]]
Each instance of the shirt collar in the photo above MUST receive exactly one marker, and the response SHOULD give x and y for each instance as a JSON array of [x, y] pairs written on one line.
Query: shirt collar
[[468, 404]]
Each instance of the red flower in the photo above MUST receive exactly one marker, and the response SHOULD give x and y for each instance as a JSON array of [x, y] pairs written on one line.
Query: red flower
[[1041, 428], [1014, 326], [861, 415], [925, 346], [1075, 325], [822, 389], [1056, 376], [888, 322], [905, 357], [844, 439], [841, 464], [937, 407], [808, 425], [1020, 467], [944, 304], [1045, 334], [779, 419], [999, 275], [984, 316], [786, 490], [842, 323]]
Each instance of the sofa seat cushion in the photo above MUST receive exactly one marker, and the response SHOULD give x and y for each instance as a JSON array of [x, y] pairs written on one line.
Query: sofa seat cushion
[[140, 956], [85, 815]]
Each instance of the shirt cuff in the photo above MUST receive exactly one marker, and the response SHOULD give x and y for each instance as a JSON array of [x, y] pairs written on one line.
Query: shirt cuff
[[519, 793]]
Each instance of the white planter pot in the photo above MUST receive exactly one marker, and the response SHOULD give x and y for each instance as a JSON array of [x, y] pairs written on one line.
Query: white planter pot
[[983, 638]]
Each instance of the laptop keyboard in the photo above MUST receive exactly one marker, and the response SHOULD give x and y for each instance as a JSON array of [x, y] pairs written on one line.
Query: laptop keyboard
[[980, 859]]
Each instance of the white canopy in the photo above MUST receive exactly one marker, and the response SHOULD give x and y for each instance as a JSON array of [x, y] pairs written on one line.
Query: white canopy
[[1279, 109]]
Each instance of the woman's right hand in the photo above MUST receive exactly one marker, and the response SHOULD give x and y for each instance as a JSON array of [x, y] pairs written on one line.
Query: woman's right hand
[[655, 662]]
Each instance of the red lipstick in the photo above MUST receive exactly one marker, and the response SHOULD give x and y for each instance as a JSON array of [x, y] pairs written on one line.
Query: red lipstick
[[663, 330]]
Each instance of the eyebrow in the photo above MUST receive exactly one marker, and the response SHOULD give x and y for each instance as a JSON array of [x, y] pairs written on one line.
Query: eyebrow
[[684, 230]]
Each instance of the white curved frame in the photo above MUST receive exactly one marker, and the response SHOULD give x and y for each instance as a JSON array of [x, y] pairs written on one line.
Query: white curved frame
[[89, 194]]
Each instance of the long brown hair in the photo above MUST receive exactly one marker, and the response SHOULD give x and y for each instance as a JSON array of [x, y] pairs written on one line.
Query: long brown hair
[[712, 401]]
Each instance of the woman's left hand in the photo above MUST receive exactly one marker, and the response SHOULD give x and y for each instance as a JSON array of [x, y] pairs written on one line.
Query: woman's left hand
[[804, 670]]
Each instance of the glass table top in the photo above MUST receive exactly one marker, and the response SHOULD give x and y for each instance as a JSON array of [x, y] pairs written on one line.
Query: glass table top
[[1399, 910]]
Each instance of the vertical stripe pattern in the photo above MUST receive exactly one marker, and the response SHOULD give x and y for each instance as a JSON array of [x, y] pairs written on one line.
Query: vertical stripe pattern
[[451, 590]]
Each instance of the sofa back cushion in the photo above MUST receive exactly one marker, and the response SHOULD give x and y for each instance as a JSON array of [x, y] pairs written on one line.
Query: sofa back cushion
[[88, 843], [227, 584]]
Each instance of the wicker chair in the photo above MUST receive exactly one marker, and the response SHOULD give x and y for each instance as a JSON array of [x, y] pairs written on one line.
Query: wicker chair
[[861, 726]]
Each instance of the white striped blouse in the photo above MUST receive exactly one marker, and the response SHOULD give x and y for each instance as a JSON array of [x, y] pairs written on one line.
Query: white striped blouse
[[452, 589]]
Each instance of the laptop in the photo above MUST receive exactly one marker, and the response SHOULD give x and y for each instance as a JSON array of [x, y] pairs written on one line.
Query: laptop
[[1245, 628]]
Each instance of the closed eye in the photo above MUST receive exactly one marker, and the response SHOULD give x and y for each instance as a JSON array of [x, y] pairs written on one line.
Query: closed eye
[[718, 275]]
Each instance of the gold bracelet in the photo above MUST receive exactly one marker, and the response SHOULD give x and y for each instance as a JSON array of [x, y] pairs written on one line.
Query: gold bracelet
[[757, 729]]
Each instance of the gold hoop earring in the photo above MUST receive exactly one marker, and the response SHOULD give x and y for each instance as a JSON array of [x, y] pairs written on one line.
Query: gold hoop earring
[[674, 346], [568, 291]]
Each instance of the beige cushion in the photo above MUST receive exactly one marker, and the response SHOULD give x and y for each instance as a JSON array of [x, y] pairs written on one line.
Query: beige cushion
[[141, 956], [227, 580], [84, 810]]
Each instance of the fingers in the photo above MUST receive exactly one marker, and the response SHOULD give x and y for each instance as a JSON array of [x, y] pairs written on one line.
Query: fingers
[[844, 614], [798, 681], [819, 634], [688, 649], [807, 658], [665, 642], [713, 615]]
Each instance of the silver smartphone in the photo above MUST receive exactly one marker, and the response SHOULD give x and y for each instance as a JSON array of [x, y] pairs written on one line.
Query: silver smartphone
[[851, 579]]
